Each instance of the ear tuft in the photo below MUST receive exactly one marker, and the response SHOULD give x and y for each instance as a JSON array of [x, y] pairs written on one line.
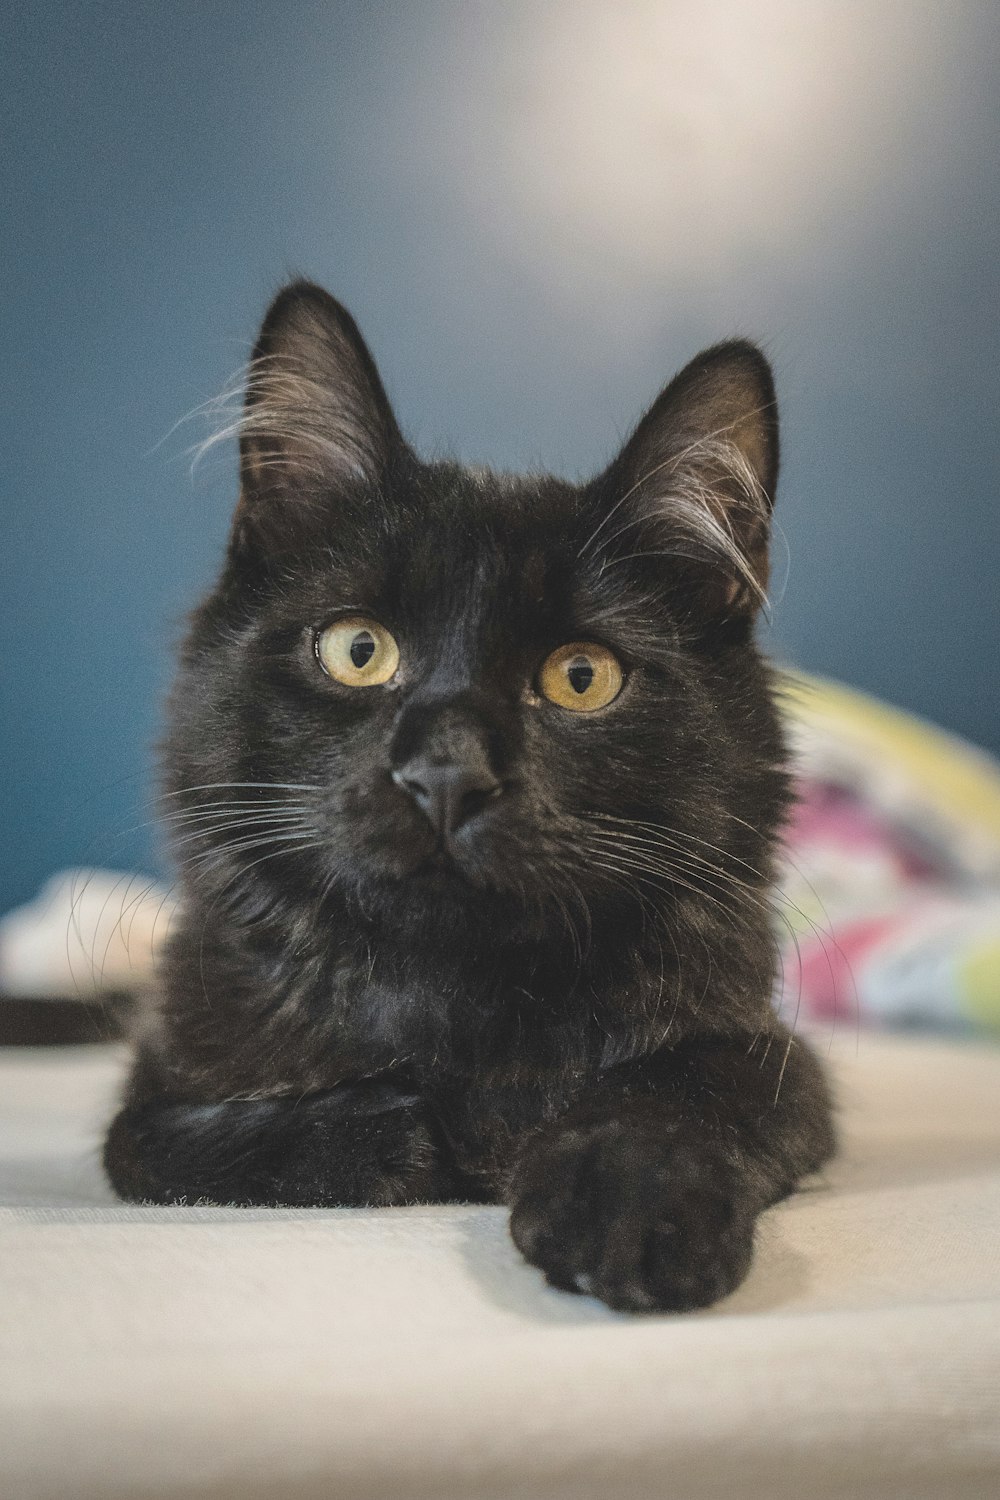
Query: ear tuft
[[696, 480], [315, 413]]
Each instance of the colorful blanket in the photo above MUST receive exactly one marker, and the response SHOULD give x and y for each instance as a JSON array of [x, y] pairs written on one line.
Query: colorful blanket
[[890, 912]]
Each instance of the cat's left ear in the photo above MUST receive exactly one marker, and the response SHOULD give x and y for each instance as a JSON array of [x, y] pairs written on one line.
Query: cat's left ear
[[694, 485], [315, 413]]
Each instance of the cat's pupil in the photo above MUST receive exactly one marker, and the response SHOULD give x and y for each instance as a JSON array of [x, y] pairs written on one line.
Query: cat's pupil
[[580, 674], [362, 649]]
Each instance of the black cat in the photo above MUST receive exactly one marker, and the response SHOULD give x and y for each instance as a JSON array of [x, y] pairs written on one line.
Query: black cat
[[474, 784]]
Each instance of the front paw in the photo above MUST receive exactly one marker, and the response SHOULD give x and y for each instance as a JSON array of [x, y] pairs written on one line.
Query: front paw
[[365, 1143], [622, 1211]]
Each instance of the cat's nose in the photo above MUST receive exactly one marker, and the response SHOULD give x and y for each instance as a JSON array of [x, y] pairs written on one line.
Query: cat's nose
[[448, 794]]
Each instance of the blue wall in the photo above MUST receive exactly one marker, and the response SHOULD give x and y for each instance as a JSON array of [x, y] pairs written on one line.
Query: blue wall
[[536, 212]]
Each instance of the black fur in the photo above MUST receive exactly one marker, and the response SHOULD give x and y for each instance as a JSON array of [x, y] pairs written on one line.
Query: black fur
[[563, 1004]]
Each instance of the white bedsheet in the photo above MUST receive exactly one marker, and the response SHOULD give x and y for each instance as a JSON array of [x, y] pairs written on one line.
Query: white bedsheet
[[237, 1354]]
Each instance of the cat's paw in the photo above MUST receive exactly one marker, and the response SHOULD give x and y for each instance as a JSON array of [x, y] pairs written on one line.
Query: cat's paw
[[619, 1210], [364, 1144], [357, 1144]]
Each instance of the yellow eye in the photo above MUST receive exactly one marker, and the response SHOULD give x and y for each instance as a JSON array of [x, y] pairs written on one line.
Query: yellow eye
[[581, 677], [358, 652]]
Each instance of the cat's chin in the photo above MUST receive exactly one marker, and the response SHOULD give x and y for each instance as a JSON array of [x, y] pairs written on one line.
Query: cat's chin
[[428, 865], [438, 894], [441, 870]]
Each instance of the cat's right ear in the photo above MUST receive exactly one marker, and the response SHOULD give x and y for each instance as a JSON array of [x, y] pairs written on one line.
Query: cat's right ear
[[315, 418]]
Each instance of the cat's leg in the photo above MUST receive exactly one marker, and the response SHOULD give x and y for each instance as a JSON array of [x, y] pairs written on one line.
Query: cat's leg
[[646, 1192], [364, 1143]]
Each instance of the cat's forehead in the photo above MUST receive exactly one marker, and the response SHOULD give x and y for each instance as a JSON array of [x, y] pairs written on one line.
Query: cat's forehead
[[503, 538], [539, 510], [464, 530]]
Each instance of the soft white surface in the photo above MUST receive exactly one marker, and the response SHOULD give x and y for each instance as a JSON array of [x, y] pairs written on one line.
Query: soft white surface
[[238, 1354]]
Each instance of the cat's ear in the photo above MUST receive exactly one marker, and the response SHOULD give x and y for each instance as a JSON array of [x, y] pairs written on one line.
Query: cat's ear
[[315, 414], [694, 485]]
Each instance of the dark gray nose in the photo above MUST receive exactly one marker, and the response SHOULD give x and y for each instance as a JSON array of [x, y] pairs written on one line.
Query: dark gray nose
[[446, 793]]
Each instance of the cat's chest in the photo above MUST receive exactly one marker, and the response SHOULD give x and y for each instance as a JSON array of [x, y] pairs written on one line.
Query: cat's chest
[[492, 1058], [443, 1023]]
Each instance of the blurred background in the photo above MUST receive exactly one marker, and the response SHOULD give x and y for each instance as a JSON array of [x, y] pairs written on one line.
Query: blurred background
[[537, 212]]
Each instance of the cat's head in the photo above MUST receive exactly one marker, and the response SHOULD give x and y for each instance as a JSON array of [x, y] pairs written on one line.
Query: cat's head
[[425, 686]]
